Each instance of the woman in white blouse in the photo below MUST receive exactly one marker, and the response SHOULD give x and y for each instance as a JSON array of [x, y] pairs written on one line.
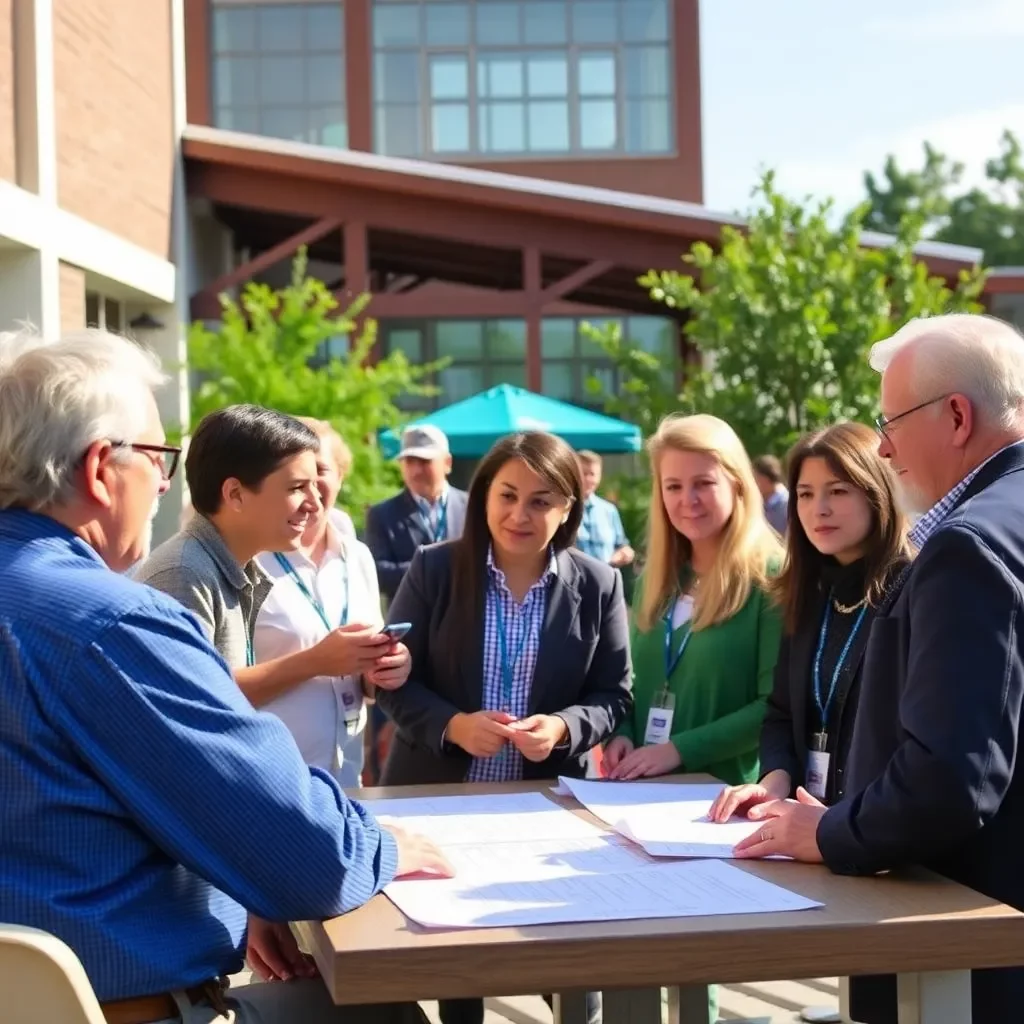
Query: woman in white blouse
[[326, 594]]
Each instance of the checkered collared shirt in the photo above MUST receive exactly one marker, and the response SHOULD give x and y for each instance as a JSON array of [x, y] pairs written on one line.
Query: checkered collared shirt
[[934, 517], [523, 624]]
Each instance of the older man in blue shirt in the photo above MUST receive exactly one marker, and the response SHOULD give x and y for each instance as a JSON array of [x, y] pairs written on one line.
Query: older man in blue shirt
[[601, 534], [147, 809]]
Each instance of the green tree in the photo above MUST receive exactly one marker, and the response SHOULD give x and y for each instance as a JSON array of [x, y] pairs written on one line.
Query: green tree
[[267, 350], [990, 218], [783, 314]]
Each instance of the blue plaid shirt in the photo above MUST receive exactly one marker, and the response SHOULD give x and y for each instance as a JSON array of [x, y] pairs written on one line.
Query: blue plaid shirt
[[600, 534], [144, 802], [523, 624], [933, 518]]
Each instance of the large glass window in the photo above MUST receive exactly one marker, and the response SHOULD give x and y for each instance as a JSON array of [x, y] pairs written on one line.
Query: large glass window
[[279, 70], [514, 77], [484, 353]]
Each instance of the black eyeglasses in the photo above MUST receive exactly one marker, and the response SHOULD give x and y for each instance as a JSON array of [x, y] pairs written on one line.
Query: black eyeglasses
[[164, 456], [881, 422]]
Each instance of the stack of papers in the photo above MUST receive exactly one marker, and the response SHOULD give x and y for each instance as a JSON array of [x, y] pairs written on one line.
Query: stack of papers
[[520, 859]]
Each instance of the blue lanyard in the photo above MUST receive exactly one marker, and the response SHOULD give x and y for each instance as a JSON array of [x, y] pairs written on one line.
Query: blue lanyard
[[823, 709], [671, 664], [507, 667], [440, 530], [250, 655], [318, 607]]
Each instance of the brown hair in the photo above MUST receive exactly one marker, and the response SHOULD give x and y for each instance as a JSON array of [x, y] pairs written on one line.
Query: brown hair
[[769, 467], [551, 459], [851, 452], [326, 432], [589, 457]]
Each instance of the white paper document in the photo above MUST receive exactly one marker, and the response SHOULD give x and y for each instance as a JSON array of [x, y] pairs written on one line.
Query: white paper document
[[683, 889], [455, 820], [665, 819]]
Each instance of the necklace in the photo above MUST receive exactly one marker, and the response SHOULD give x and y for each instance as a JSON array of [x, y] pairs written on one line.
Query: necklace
[[848, 609]]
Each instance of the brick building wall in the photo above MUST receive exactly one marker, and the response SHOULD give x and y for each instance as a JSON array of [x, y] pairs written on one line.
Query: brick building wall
[[8, 167], [113, 97]]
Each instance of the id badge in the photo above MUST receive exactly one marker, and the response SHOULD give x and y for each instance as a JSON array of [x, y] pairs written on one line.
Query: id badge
[[351, 705], [817, 773], [659, 726]]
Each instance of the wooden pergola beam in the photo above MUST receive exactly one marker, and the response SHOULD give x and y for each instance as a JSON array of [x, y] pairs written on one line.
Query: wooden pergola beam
[[577, 279]]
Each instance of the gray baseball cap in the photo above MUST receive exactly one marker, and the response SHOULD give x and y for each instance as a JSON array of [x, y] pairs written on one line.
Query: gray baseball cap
[[423, 442]]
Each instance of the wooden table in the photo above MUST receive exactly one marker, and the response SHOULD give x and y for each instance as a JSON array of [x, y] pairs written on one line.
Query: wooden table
[[928, 930]]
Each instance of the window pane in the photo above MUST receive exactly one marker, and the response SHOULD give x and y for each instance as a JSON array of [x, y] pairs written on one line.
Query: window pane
[[328, 127], [508, 373], [647, 71], [459, 382], [286, 123], [647, 126], [596, 74], [595, 21], [449, 78], [234, 28], [557, 337], [547, 76], [234, 80], [408, 340], [506, 339], [238, 119], [644, 21], [460, 339], [597, 124], [281, 28], [396, 77], [500, 77], [282, 80], [112, 312], [396, 24], [504, 129], [544, 23], [449, 128], [398, 130], [324, 27], [558, 380], [653, 334], [324, 79], [447, 24], [605, 374], [548, 123], [92, 309], [497, 23], [589, 347]]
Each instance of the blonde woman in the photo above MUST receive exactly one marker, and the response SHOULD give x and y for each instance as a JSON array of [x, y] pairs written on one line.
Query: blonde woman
[[706, 634], [321, 622]]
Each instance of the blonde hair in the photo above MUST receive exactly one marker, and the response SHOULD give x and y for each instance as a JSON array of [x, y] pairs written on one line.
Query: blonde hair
[[341, 451], [748, 544]]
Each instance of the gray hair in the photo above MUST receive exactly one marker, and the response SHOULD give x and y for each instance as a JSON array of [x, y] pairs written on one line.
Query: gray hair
[[979, 356], [59, 397]]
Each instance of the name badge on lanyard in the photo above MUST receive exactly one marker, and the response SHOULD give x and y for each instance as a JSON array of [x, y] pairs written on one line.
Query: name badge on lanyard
[[350, 692], [819, 760], [662, 710]]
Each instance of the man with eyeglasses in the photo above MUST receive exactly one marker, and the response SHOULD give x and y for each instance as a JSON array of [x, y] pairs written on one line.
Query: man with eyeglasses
[[935, 775], [149, 818]]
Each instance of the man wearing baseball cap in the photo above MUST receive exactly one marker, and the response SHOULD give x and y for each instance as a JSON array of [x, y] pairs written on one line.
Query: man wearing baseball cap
[[428, 510]]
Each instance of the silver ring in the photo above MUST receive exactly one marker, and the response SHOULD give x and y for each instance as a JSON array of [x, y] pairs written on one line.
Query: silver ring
[[766, 836]]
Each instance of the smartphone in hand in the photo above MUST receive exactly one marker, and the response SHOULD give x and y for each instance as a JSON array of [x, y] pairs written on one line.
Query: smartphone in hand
[[394, 631]]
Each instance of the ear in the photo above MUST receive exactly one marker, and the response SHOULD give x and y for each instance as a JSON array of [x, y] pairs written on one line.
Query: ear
[[97, 473], [447, 465], [963, 418], [231, 494]]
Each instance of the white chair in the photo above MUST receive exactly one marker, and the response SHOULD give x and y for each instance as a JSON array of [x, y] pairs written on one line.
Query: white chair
[[42, 981]]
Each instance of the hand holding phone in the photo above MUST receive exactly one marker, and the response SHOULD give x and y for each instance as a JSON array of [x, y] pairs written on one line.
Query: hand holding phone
[[394, 631]]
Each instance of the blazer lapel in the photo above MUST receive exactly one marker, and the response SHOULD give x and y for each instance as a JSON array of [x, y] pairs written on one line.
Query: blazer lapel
[[456, 514], [559, 619], [418, 535], [469, 642]]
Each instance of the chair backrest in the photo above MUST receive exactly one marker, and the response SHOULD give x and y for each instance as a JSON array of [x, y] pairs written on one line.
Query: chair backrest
[[42, 981]]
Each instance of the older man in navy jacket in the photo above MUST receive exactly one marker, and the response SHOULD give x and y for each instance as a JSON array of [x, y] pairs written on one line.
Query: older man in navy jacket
[[936, 774]]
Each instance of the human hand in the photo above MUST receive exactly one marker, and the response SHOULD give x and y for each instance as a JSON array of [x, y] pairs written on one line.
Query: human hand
[[535, 737], [790, 829], [624, 556], [616, 750], [480, 734], [743, 799], [391, 670], [653, 759], [273, 954], [349, 650], [417, 855]]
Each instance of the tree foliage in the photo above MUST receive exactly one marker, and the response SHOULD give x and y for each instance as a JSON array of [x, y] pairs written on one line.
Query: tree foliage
[[782, 315], [267, 349], [990, 218]]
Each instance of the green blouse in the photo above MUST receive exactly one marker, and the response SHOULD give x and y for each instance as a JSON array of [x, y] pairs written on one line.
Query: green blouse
[[720, 688]]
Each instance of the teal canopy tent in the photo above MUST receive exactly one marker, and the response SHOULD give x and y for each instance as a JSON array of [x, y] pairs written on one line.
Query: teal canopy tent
[[474, 424]]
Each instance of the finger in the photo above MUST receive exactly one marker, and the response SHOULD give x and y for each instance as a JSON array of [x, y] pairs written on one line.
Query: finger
[[270, 952], [502, 717], [804, 797], [528, 723], [769, 809], [437, 863], [754, 847], [259, 968], [506, 732]]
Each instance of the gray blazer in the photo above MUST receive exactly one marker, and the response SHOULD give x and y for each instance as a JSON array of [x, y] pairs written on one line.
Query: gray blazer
[[197, 569], [583, 668]]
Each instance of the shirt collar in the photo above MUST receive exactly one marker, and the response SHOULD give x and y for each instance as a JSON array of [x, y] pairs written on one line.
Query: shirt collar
[[428, 505], [202, 530], [498, 576]]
